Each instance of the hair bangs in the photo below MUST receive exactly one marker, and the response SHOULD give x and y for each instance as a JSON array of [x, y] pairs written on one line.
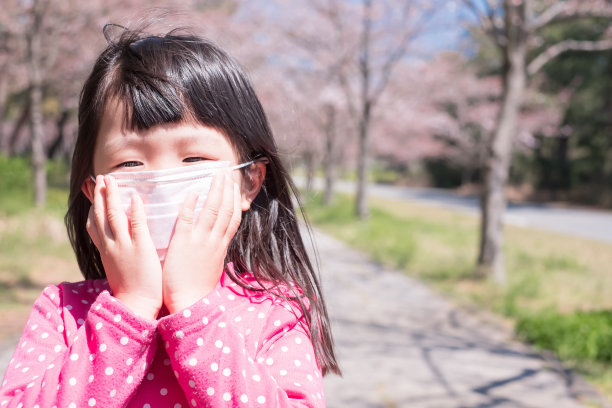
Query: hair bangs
[[142, 81]]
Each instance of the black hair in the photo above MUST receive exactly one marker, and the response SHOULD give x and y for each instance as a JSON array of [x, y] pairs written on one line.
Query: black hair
[[180, 77]]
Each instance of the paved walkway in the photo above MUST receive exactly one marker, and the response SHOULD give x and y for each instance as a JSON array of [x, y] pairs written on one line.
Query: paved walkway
[[401, 345]]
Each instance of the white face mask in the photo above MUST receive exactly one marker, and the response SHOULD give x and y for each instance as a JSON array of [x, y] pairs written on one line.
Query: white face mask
[[163, 193]]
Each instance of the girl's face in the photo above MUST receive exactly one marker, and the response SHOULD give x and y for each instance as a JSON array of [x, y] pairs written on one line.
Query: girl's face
[[162, 147]]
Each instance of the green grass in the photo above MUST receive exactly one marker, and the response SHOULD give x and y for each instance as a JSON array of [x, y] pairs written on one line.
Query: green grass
[[583, 336], [396, 248], [424, 246], [559, 289]]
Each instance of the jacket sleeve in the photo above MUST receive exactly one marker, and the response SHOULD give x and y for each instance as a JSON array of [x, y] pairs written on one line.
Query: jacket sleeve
[[78, 354], [256, 357]]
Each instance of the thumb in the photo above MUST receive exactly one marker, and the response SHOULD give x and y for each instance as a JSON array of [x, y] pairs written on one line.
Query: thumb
[[138, 221]]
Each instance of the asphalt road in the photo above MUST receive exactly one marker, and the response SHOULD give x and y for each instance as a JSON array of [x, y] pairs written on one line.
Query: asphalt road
[[592, 224]]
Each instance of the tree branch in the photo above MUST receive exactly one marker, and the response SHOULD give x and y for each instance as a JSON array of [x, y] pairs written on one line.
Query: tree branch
[[350, 98], [563, 46], [399, 52], [566, 11], [487, 21], [546, 17]]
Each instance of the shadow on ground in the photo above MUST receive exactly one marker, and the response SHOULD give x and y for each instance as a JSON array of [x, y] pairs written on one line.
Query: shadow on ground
[[401, 345]]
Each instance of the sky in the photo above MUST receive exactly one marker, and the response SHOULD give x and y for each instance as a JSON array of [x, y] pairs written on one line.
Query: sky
[[447, 30]]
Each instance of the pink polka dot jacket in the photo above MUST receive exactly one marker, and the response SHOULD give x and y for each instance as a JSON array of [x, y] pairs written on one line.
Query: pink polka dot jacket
[[81, 347]]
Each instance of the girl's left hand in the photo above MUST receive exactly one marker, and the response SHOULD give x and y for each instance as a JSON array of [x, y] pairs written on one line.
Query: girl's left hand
[[195, 257]]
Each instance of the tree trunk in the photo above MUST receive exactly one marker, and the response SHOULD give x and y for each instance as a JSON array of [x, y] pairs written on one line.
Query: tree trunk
[[493, 205], [36, 116], [330, 156], [361, 205], [3, 92], [310, 170], [56, 146], [362, 165], [564, 163], [13, 138]]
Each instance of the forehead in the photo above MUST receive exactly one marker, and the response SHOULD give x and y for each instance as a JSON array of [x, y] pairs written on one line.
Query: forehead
[[115, 139]]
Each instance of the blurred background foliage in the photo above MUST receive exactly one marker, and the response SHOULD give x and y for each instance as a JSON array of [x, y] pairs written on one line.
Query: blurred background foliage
[[418, 134]]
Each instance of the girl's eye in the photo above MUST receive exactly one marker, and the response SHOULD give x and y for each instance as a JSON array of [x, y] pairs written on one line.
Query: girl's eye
[[193, 159], [131, 163]]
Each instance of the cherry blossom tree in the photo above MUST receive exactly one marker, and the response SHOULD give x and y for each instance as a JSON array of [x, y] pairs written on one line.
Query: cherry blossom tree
[[54, 42], [357, 45], [514, 26], [409, 119], [43, 31], [442, 109]]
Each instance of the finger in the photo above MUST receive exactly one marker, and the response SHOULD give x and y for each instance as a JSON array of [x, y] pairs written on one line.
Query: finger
[[91, 228], [227, 208], [99, 205], [114, 209], [138, 222], [236, 216], [185, 220], [209, 213]]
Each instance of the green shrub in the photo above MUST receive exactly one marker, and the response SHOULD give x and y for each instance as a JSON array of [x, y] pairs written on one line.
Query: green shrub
[[385, 176], [15, 174], [576, 336], [16, 190]]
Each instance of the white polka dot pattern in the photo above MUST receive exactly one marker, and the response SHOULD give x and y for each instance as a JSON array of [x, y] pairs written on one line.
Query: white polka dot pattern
[[107, 356]]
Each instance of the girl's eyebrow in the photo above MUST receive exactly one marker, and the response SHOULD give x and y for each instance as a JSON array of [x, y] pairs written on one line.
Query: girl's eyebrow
[[118, 144], [198, 137]]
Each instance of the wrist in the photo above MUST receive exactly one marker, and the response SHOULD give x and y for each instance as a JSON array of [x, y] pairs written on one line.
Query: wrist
[[185, 300], [141, 306]]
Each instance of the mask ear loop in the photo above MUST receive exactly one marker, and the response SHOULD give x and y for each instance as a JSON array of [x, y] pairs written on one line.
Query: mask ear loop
[[264, 160], [245, 168]]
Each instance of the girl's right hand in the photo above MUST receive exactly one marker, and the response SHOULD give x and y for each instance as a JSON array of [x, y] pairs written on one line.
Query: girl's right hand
[[128, 255]]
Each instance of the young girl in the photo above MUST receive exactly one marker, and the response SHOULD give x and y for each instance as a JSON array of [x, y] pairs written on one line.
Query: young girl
[[198, 289]]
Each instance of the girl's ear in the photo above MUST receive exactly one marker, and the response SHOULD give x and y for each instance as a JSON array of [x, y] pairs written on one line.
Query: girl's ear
[[87, 188], [256, 176]]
